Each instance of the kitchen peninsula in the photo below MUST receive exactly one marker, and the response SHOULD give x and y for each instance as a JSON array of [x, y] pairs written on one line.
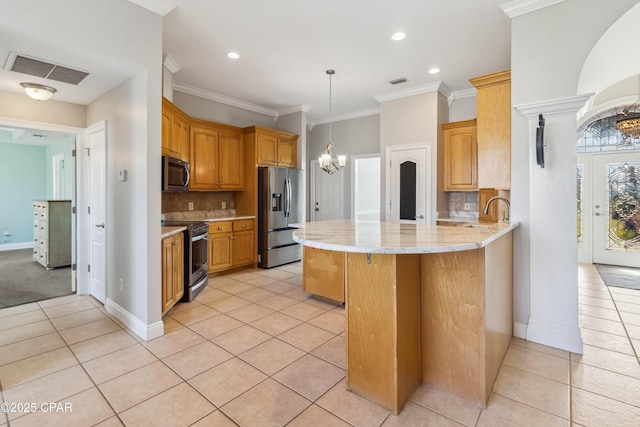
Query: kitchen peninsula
[[424, 303]]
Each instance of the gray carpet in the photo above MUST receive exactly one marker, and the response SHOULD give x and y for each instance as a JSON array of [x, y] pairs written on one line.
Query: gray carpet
[[22, 280], [619, 277]]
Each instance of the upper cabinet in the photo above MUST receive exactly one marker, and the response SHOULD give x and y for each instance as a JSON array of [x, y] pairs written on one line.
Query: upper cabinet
[[493, 105], [175, 131], [460, 156], [274, 148], [217, 157]]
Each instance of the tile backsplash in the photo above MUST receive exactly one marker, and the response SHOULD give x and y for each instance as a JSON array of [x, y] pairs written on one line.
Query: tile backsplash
[[202, 201], [457, 200]]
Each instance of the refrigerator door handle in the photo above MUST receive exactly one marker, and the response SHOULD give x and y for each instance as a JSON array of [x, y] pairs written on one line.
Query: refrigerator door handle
[[287, 199]]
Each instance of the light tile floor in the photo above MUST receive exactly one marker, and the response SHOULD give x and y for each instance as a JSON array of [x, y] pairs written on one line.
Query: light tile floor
[[255, 350]]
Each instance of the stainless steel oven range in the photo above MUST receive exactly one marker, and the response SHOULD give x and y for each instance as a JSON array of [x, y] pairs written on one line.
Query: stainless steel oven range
[[196, 256]]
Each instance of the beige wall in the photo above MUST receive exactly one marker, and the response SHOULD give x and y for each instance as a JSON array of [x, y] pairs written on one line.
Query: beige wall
[[206, 109], [19, 106]]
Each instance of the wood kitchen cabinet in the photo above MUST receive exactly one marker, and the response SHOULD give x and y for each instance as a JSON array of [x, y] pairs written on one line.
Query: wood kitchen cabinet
[[323, 273], [175, 131], [273, 147], [493, 109], [172, 270], [460, 156], [231, 244], [217, 157]]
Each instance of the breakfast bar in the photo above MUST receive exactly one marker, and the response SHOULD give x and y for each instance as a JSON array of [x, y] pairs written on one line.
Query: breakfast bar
[[424, 303]]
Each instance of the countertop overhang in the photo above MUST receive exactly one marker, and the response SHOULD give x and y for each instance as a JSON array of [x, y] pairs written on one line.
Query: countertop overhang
[[398, 238]]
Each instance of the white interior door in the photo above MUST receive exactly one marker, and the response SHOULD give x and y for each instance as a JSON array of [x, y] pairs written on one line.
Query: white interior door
[[97, 200], [327, 194], [408, 196], [616, 209], [365, 187], [58, 176]]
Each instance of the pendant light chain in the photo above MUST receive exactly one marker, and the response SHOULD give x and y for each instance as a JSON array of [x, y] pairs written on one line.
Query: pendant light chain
[[326, 161]]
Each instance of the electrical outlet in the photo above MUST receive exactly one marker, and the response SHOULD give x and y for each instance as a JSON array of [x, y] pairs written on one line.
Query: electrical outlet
[[467, 206], [224, 205], [190, 206], [122, 284]]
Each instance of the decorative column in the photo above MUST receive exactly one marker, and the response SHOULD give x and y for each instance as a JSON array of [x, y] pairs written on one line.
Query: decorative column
[[553, 254]]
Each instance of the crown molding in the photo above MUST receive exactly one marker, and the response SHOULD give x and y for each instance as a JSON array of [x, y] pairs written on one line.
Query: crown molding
[[346, 116], [554, 107], [416, 90], [171, 64], [160, 7], [520, 7], [303, 108], [223, 99], [460, 94]]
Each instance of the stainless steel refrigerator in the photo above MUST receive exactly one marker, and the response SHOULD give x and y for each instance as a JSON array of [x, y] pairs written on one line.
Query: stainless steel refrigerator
[[280, 203]]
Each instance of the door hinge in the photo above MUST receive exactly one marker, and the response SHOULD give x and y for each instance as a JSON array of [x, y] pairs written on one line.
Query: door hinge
[[73, 210], [389, 163], [73, 153], [89, 209], [74, 267], [89, 268]]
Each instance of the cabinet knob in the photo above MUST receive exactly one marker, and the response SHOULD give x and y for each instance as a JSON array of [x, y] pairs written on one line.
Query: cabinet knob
[[176, 243], [221, 228], [244, 225]]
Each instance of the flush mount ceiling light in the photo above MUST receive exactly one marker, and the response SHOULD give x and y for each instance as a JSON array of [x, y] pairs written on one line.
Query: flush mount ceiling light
[[37, 91], [434, 70], [233, 55], [398, 36], [326, 160]]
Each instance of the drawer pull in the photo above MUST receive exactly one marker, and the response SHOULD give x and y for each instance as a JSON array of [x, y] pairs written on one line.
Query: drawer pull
[[221, 228]]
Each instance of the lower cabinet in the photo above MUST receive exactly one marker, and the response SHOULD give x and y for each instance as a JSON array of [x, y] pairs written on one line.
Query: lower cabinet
[[172, 271], [231, 244], [323, 273]]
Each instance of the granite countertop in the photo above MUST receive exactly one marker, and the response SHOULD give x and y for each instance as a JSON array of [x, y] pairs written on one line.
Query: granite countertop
[[396, 238], [170, 231], [231, 218]]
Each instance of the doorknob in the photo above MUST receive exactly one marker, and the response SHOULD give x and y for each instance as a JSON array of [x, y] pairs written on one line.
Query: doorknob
[[100, 225], [420, 216], [597, 214]]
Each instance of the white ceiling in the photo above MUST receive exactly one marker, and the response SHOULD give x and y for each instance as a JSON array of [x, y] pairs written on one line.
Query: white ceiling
[[285, 46]]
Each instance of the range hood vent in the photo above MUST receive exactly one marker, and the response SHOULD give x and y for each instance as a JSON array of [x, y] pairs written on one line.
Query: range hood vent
[[47, 70]]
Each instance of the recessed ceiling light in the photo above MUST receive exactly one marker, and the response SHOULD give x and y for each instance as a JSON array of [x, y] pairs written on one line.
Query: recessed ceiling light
[[398, 36], [233, 55], [434, 70]]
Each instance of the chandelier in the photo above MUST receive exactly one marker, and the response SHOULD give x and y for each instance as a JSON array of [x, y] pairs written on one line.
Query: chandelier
[[629, 127], [327, 162]]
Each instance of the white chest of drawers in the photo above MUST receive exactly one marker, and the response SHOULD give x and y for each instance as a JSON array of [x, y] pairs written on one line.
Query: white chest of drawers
[[52, 232]]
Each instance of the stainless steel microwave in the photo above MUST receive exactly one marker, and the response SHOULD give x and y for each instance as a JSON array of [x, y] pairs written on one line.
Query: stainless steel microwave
[[175, 174]]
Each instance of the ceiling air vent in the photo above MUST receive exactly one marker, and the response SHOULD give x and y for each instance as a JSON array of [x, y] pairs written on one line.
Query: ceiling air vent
[[41, 68], [398, 81]]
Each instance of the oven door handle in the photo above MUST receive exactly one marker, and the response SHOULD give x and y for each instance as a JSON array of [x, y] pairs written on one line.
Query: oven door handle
[[200, 237]]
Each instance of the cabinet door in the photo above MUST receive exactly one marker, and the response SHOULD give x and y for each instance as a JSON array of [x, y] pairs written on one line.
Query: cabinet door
[[242, 248], [323, 273], [219, 251], [168, 294], [180, 137], [178, 268], [167, 117], [231, 161], [460, 158], [287, 152], [267, 154], [204, 159]]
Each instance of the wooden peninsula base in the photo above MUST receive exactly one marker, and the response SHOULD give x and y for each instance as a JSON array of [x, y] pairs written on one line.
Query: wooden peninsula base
[[424, 304]]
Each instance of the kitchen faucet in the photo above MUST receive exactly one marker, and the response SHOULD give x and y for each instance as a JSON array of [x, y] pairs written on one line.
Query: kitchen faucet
[[504, 199]]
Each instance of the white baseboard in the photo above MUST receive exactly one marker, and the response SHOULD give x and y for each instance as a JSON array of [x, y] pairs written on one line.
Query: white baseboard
[[520, 330], [15, 246], [555, 335], [144, 331]]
